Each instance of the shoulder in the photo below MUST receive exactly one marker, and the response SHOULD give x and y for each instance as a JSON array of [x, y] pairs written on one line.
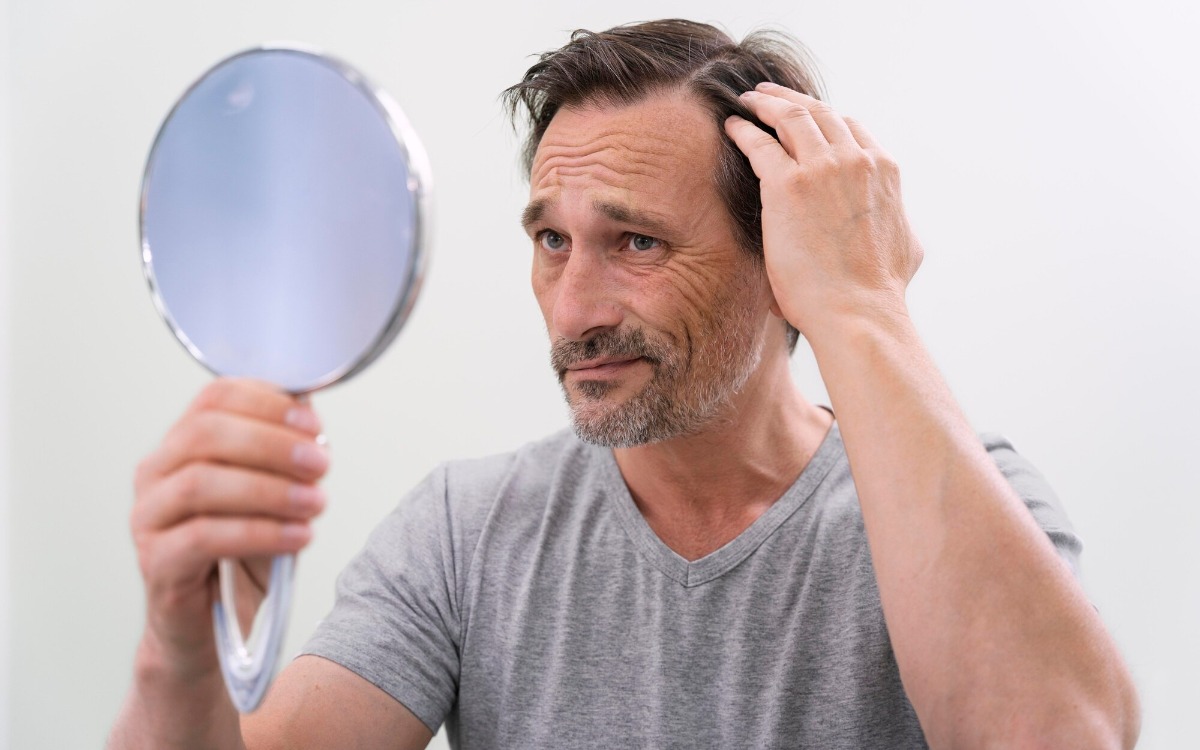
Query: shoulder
[[1026, 479], [460, 498], [1037, 494], [474, 485]]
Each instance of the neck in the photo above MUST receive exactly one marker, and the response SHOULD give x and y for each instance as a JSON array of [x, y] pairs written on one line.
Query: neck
[[700, 491]]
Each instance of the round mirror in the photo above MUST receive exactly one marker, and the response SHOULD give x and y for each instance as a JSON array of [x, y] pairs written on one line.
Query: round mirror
[[283, 215]]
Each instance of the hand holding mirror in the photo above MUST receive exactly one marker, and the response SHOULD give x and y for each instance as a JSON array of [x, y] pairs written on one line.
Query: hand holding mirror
[[283, 222]]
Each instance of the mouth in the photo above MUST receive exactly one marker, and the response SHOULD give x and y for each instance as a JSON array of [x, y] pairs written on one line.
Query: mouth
[[603, 367]]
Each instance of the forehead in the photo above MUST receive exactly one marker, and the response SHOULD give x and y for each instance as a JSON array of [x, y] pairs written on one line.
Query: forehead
[[661, 150]]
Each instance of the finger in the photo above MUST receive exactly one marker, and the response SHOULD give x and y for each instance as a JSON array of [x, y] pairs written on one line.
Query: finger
[[257, 400], [793, 123], [223, 437], [214, 489], [766, 155], [864, 138], [837, 133], [251, 578], [187, 552], [255, 572]]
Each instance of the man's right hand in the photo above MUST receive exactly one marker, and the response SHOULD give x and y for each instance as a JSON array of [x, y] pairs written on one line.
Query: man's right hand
[[235, 476]]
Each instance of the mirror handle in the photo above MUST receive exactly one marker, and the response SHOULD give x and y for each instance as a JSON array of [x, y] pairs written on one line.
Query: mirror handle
[[248, 666]]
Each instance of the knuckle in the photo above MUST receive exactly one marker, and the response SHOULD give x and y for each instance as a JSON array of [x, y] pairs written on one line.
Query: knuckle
[[918, 256], [194, 534], [795, 112], [763, 140], [194, 436], [146, 555], [862, 163], [190, 484], [212, 395], [801, 177]]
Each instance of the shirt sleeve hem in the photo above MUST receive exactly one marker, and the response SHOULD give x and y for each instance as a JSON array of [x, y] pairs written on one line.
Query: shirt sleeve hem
[[407, 693]]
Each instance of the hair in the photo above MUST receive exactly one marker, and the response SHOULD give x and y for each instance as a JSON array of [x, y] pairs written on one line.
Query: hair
[[629, 63]]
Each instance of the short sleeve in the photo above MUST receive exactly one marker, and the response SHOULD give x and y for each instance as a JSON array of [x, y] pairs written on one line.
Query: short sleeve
[[395, 621], [1037, 495]]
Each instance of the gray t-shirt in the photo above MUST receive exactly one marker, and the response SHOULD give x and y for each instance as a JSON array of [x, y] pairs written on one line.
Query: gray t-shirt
[[524, 601]]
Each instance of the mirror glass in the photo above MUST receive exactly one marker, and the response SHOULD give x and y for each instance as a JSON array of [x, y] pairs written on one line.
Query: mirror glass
[[282, 221]]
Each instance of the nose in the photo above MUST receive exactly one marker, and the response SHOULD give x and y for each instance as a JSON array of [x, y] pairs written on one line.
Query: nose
[[585, 298]]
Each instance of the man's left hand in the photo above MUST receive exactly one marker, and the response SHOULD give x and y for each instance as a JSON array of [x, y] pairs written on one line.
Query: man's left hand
[[836, 239]]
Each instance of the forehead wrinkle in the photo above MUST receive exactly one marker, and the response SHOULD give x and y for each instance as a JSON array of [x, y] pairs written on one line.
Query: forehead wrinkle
[[609, 140]]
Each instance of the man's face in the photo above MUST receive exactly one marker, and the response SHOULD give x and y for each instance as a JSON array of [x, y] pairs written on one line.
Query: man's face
[[656, 316]]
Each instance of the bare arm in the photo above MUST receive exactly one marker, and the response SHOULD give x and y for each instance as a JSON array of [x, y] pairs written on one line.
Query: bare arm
[[995, 640], [235, 477], [321, 705]]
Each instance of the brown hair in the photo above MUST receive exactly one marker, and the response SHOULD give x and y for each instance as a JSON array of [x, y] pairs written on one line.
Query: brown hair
[[628, 63]]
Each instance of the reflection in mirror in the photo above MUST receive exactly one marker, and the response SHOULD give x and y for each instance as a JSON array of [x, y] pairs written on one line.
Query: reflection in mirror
[[282, 221]]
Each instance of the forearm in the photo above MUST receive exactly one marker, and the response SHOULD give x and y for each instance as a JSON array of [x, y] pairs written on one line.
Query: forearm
[[169, 711], [993, 636]]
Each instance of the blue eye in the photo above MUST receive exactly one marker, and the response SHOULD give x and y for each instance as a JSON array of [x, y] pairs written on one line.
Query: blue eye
[[643, 243], [552, 241]]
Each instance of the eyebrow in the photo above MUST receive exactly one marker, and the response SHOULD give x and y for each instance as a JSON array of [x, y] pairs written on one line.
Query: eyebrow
[[533, 212], [656, 225]]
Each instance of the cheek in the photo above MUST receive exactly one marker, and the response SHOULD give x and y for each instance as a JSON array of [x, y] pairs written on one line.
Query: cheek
[[541, 280], [688, 290]]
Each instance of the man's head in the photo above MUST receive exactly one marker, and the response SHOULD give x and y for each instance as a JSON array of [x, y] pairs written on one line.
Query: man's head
[[646, 222]]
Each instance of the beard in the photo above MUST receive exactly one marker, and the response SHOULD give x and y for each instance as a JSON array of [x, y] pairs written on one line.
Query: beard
[[693, 381]]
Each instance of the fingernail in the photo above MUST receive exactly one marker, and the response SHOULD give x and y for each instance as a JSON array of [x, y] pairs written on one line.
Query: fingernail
[[766, 85], [303, 418], [295, 533], [747, 94], [306, 498], [310, 456]]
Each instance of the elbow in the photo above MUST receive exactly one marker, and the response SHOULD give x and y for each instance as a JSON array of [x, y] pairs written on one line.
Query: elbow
[[1088, 727], [1108, 719]]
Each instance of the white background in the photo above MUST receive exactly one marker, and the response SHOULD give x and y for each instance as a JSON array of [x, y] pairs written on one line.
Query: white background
[[1050, 163]]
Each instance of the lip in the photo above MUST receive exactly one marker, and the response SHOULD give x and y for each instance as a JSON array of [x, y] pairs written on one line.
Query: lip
[[594, 368]]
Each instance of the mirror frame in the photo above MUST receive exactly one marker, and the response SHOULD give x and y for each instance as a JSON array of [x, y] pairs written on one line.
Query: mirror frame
[[248, 662]]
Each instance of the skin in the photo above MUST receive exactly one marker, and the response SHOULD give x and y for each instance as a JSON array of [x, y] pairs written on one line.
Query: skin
[[996, 643]]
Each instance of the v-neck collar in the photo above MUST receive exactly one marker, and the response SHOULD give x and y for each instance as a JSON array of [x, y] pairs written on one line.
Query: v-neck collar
[[721, 561]]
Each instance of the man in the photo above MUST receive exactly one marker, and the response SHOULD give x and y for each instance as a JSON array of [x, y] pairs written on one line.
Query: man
[[711, 560]]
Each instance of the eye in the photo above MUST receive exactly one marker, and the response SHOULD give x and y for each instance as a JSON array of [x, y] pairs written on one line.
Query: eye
[[642, 243], [551, 240]]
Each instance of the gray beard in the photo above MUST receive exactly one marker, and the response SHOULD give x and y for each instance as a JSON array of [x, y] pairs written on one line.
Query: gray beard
[[688, 392]]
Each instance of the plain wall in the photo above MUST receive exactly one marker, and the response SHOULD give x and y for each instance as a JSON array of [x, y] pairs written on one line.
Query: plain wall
[[5, 277], [1050, 169]]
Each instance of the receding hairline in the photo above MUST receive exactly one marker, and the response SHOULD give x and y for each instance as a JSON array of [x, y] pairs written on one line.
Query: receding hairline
[[680, 91]]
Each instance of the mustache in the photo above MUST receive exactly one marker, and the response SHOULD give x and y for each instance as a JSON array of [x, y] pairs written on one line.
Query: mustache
[[629, 343]]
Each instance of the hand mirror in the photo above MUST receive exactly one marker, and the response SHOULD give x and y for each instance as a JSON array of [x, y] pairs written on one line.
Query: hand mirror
[[283, 222]]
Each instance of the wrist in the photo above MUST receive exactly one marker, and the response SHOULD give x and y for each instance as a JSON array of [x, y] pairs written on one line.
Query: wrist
[[173, 705], [156, 664], [841, 327]]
